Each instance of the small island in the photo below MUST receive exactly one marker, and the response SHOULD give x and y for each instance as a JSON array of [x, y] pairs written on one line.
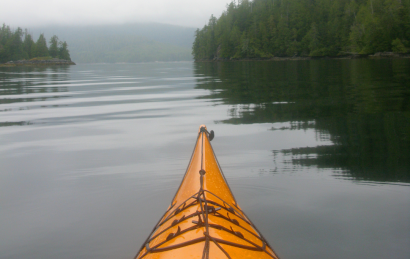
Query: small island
[[17, 48], [38, 62]]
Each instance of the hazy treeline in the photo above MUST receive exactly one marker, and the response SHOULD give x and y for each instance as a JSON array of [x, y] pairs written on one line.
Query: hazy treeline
[[127, 48], [18, 45], [133, 42], [266, 28]]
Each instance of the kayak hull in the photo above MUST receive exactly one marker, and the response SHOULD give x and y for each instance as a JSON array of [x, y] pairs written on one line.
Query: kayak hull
[[204, 219]]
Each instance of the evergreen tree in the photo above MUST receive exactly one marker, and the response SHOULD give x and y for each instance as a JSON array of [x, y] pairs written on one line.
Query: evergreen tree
[[5, 35], [33, 51], [41, 49], [63, 52], [28, 44], [14, 45], [53, 50]]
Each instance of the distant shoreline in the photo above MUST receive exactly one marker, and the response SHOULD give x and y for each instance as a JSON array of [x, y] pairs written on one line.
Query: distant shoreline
[[378, 55], [36, 62]]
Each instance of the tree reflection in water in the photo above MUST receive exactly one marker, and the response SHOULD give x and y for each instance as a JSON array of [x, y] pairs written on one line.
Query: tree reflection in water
[[362, 106]]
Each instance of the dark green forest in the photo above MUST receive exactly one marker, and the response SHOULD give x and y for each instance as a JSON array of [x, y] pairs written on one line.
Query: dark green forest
[[288, 28], [19, 45]]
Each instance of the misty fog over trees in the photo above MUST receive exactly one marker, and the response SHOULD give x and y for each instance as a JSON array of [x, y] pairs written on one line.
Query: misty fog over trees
[[130, 43], [19, 45], [267, 28]]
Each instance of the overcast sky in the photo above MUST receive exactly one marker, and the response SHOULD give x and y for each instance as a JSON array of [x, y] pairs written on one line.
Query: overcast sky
[[34, 13]]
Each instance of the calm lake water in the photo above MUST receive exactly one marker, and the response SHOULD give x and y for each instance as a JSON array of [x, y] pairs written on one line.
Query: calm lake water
[[316, 152]]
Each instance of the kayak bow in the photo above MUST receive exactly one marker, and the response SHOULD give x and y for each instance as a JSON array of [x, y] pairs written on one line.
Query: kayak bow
[[204, 220]]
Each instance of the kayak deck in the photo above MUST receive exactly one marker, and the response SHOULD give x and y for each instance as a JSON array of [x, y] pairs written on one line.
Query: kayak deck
[[204, 219]]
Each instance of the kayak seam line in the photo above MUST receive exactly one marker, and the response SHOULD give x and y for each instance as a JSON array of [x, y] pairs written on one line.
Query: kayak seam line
[[205, 254], [219, 246]]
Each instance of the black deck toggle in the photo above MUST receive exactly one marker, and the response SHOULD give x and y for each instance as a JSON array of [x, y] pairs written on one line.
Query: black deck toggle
[[211, 134]]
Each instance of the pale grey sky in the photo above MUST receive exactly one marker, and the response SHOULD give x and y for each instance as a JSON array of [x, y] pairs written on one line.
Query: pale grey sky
[[33, 13]]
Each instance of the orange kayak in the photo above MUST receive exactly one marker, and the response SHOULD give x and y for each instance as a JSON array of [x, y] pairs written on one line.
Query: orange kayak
[[204, 219]]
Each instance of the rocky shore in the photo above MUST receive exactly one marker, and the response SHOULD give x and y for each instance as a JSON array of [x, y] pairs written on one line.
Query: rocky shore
[[349, 56], [38, 62]]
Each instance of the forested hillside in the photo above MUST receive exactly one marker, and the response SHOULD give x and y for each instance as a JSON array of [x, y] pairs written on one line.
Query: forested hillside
[[19, 45], [286, 28], [134, 42], [126, 48]]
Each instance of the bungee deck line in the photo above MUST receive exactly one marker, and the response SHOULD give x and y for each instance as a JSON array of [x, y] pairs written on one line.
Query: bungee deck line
[[210, 217]]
